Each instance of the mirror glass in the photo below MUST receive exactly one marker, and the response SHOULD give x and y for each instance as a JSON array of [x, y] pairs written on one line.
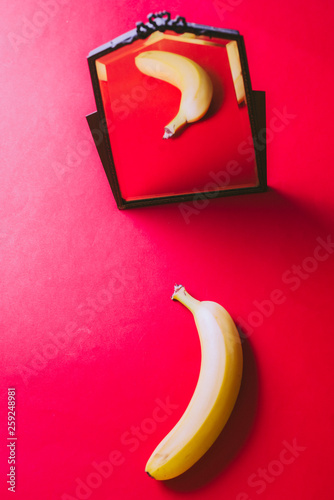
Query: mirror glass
[[177, 116]]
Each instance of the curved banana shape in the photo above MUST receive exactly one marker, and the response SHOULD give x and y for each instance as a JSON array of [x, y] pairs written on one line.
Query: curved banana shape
[[192, 80], [215, 394]]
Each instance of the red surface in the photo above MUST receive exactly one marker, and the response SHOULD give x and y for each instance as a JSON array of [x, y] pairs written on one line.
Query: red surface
[[89, 336], [137, 109]]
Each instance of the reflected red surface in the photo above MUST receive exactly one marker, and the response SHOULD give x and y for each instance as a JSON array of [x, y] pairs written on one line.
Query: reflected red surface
[[138, 107]]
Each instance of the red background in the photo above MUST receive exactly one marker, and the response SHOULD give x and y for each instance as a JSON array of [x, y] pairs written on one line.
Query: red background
[[89, 336]]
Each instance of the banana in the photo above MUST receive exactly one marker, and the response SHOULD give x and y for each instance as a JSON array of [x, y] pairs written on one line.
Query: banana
[[188, 76], [215, 393]]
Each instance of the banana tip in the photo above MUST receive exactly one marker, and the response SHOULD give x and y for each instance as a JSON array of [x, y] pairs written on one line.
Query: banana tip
[[168, 133], [176, 289]]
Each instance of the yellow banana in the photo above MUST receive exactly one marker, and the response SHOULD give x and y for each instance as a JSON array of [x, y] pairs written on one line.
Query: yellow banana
[[215, 393], [188, 76]]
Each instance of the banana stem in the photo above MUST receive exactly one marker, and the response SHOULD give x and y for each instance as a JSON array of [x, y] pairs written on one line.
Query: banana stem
[[178, 121], [183, 296]]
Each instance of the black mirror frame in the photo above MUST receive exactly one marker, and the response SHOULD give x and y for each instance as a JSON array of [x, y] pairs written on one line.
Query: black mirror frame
[[162, 21]]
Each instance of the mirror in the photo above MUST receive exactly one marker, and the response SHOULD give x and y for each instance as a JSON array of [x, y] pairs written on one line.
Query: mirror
[[179, 114]]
